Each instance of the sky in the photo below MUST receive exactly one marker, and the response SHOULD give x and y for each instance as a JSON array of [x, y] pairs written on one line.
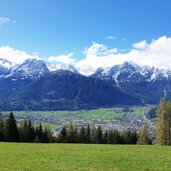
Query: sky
[[86, 33]]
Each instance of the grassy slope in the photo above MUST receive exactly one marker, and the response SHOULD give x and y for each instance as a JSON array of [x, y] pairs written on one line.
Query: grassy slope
[[69, 157]]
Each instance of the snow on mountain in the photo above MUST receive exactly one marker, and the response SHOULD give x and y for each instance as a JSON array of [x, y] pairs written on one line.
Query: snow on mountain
[[86, 70], [5, 67], [129, 71], [123, 73], [62, 67], [5, 63], [31, 68], [149, 84]]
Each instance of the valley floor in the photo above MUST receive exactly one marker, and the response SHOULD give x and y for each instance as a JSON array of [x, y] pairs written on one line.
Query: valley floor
[[107, 118], [43, 157]]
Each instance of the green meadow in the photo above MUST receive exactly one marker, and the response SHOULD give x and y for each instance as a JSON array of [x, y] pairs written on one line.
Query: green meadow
[[115, 113], [51, 157]]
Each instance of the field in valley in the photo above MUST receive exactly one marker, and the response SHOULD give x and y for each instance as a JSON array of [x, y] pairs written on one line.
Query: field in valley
[[55, 119], [43, 157]]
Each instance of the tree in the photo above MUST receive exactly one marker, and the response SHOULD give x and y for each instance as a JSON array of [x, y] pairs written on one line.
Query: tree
[[71, 136], [11, 129], [45, 138], [113, 137], [2, 128], [110, 137], [144, 138], [131, 137], [99, 135], [62, 138], [134, 137], [94, 135], [24, 131], [39, 133], [76, 134], [168, 127], [50, 136], [105, 137], [163, 129], [88, 134], [31, 131], [82, 135]]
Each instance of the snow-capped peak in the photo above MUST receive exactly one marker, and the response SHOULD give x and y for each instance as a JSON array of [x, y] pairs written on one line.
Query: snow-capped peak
[[130, 71], [30, 67], [57, 67], [5, 63]]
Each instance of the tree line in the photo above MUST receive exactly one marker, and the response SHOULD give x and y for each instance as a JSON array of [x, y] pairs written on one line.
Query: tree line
[[24, 132], [95, 135], [27, 132]]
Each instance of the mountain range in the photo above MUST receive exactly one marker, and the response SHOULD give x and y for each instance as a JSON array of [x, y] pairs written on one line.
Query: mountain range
[[33, 86]]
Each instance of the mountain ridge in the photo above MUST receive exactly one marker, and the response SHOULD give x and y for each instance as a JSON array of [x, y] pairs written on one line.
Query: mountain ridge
[[32, 86]]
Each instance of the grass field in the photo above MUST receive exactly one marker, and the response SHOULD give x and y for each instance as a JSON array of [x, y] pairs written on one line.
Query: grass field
[[51, 157]]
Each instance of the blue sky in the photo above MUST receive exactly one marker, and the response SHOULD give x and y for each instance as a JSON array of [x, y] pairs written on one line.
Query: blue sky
[[56, 27]]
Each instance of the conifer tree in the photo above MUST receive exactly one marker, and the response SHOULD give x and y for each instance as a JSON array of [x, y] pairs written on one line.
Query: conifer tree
[[130, 137], [38, 133], [76, 134], [94, 134], [116, 136], [71, 136], [50, 135], [62, 138], [163, 130], [110, 137], [82, 135], [24, 131], [45, 138], [11, 129], [99, 135], [144, 138], [31, 131], [88, 134], [105, 137], [134, 137], [2, 128], [123, 136], [168, 123]]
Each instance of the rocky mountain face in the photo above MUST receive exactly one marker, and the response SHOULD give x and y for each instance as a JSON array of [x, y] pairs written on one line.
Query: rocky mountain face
[[31, 86], [148, 84], [5, 67]]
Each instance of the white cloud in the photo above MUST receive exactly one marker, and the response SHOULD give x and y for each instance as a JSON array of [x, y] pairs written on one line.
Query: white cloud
[[4, 20], [64, 59], [140, 45], [98, 49], [15, 56], [96, 55], [157, 54], [111, 37]]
